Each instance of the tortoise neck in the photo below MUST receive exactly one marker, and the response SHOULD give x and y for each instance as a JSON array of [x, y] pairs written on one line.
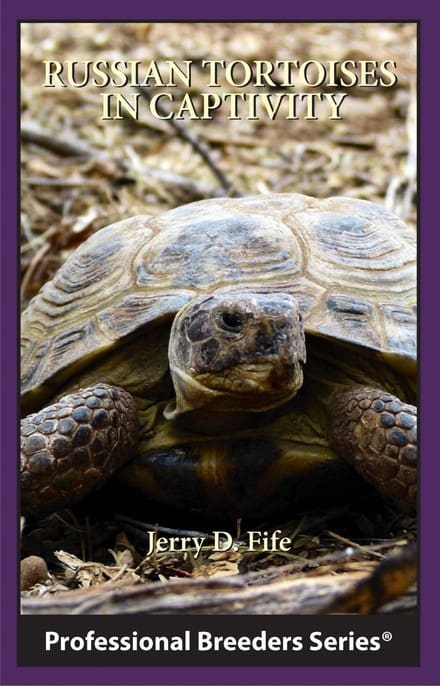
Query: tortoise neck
[[217, 423]]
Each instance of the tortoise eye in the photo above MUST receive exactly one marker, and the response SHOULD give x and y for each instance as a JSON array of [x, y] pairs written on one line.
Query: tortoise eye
[[232, 322]]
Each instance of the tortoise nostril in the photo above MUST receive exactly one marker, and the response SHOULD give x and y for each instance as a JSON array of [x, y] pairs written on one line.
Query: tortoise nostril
[[232, 322]]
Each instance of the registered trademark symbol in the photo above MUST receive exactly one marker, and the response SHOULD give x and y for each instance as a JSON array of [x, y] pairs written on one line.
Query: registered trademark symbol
[[387, 636]]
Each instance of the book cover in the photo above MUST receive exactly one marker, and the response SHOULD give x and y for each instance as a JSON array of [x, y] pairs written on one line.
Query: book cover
[[237, 544]]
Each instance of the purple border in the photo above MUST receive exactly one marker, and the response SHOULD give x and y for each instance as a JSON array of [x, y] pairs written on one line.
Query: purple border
[[53, 10]]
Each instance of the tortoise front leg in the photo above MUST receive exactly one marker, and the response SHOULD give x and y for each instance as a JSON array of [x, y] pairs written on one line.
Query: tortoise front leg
[[377, 433], [70, 447]]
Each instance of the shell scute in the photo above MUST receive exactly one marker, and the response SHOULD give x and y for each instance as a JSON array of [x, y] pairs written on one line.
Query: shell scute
[[350, 263]]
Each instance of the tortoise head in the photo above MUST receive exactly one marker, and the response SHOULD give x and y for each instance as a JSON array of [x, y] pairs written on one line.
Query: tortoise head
[[236, 351]]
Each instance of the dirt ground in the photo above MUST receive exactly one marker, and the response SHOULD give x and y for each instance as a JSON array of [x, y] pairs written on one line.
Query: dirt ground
[[80, 173]]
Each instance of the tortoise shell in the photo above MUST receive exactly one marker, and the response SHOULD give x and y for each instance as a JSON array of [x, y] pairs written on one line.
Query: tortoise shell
[[350, 263]]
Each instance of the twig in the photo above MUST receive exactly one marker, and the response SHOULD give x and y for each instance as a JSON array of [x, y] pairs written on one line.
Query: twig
[[196, 189], [352, 544], [35, 262], [365, 143], [163, 530], [62, 183], [61, 146], [197, 145], [404, 185], [37, 240], [32, 134]]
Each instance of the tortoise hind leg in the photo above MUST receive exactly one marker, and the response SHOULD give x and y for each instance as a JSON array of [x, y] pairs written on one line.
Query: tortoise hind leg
[[377, 433], [70, 447]]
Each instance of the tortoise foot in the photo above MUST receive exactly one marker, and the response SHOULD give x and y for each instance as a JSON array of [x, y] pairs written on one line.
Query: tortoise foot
[[70, 447], [377, 433]]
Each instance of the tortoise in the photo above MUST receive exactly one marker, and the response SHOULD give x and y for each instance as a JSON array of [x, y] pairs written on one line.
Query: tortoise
[[226, 358]]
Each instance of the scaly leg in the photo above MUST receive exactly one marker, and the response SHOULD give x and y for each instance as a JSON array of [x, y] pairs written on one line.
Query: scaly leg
[[377, 433], [71, 446]]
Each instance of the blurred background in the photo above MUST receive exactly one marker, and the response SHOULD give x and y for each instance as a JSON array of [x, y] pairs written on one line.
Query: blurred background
[[80, 173]]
